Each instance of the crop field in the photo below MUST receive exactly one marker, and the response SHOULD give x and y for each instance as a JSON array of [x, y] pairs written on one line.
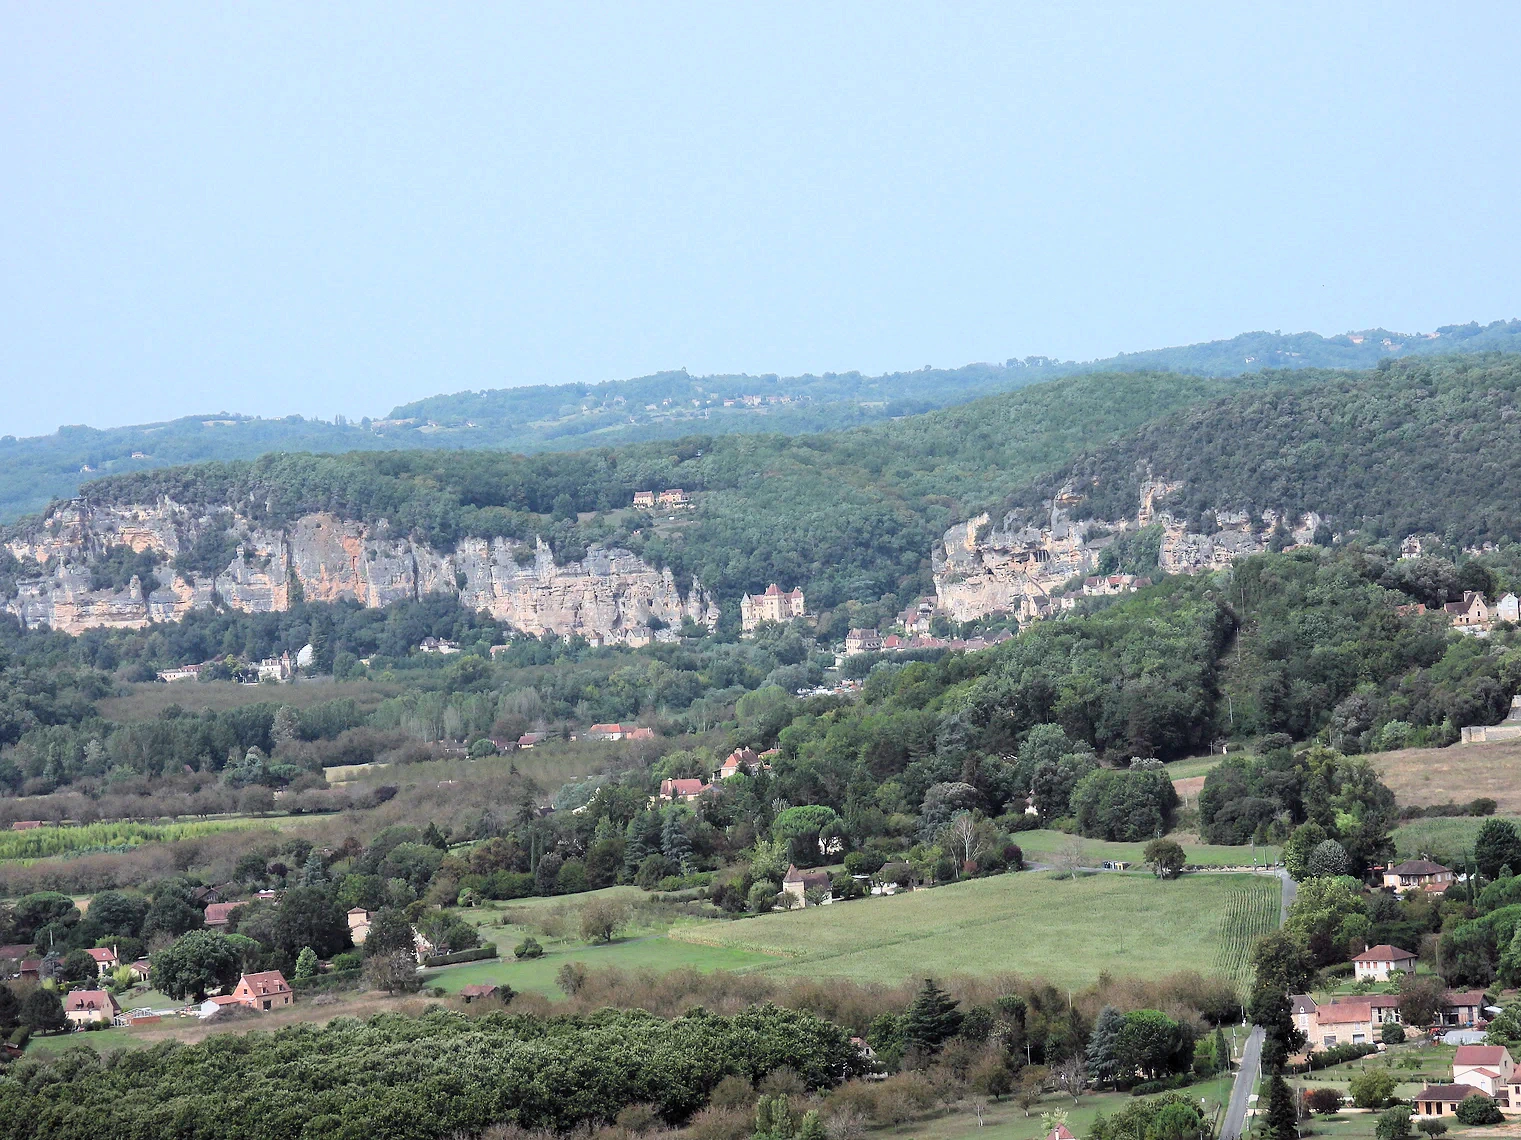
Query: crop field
[[46, 842], [1042, 847], [1067, 932], [1445, 838], [1464, 772], [1250, 912]]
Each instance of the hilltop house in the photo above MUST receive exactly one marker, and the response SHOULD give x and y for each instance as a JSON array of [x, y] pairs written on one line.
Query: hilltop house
[[773, 605], [607, 731], [1376, 963], [1417, 875], [265, 990], [85, 1007], [797, 884]]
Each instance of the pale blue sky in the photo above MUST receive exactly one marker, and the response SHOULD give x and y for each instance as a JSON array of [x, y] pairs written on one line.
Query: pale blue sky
[[277, 208]]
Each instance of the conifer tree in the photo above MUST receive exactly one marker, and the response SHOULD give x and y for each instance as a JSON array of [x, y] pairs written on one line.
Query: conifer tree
[[674, 844], [1222, 1052], [1104, 1045], [1282, 1122], [932, 1020]]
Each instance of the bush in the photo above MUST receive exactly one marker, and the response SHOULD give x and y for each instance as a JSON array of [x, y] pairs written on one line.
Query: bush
[[329, 982], [1372, 1088], [1393, 1033], [476, 955], [1478, 1109], [1336, 1055], [528, 948], [1393, 1123], [1166, 1084]]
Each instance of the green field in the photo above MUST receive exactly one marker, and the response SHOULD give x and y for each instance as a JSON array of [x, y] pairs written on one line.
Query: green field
[[538, 975], [1442, 838], [1193, 766], [1042, 847], [1067, 932]]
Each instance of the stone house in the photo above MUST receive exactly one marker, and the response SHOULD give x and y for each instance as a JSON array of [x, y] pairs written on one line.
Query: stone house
[[796, 884], [1344, 1023], [1377, 962], [862, 641], [359, 925], [1507, 729], [1471, 615], [265, 991]]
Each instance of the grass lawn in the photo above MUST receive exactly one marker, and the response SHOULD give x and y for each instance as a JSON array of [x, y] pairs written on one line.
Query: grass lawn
[[1193, 766], [100, 1039], [1442, 838], [1066, 932], [1042, 846], [538, 974]]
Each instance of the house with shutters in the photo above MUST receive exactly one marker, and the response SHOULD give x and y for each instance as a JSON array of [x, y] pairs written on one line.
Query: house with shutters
[[1418, 875], [1376, 963], [86, 1007]]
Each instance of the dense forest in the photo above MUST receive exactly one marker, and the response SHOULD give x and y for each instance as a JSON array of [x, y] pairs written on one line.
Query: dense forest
[[1415, 446], [555, 417]]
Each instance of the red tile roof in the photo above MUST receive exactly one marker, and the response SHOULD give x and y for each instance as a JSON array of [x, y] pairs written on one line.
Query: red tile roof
[[216, 913], [101, 954], [90, 1000], [1383, 953], [1479, 1055]]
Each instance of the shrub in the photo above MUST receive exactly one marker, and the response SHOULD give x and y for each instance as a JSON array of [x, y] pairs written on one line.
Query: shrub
[[528, 948], [1393, 1123], [1433, 1128], [1478, 1109], [1393, 1033], [1372, 1088]]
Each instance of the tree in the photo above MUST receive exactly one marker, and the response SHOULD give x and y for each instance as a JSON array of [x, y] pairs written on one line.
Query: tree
[[10, 1009], [1393, 1123], [171, 915], [1271, 1009], [1175, 1121], [1371, 1088], [774, 1119], [1070, 859], [1282, 1120], [78, 967], [309, 916], [932, 1019], [198, 962], [1222, 1052], [1165, 856], [1071, 1074], [114, 912], [313, 871], [1029, 1087], [1496, 845], [1104, 1045], [1281, 963], [42, 1012], [306, 964], [389, 933], [674, 843], [1147, 1043], [1433, 1128], [1327, 860], [1392, 1033], [1324, 1101], [1420, 998], [601, 919], [1478, 1109], [395, 972]]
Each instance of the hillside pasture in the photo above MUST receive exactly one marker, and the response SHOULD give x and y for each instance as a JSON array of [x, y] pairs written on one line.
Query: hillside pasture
[[1044, 846], [1067, 932], [1444, 838], [1463, 772]]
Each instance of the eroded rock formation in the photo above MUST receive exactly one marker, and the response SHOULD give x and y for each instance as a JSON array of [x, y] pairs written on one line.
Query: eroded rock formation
[[612, 594]]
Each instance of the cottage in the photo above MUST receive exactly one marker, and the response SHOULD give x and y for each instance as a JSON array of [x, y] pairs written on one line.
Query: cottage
[[218, 913], [796, 885], [608, 731], [681, 791], [644, 498], [87, 1007], [1344, 1023], [1442, 1100], [745, 760], [1471, 615], [1417, 875], [1060, 1132], [471, 993], [1377, 962], [141, 969], [266, 990], [105, 959], [11, 958], [1462, 1009], [1487, 1068], [529, 739]]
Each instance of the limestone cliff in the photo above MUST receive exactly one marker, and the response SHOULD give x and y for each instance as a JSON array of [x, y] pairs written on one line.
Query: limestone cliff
[[611, 594]]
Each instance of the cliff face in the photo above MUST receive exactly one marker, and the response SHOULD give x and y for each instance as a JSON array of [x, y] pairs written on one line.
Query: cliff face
[[611, 594]]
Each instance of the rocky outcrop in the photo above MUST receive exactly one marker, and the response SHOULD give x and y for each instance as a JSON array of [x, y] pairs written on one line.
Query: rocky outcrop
[[611, 594]]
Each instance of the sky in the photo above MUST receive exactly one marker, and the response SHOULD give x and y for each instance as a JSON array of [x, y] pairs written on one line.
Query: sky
[[293, 208]]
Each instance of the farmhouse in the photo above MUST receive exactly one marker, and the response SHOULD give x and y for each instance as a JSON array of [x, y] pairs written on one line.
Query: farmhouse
[[85, 1007], [1471, 615], [217, 913], [797, 884], [265, 990], [1378, 962], [681, 791], [1487, 1068], [1417, 875]]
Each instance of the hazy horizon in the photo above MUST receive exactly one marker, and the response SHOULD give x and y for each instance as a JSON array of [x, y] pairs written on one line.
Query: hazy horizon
[[282, 210]]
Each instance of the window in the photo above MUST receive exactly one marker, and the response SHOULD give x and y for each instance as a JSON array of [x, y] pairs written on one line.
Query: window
[[1328, 1039], [1358, 1038], [266, 1003]]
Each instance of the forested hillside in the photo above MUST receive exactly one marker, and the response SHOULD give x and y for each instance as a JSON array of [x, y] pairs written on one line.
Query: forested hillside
[[843, 514], [669, 404], [1412, 446]]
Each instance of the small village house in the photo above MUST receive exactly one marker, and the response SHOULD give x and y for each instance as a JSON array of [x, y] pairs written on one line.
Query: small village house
[[141, 969], [105, 959], [1488, 1068], [217, 913], [1417, 875], [1442, 1100], [11, 958], [609, 731], [474, 992], [1377, 962], [862, 641], [796, 885], [87, 1007], [1344, 1023], [265, 991], [1471, 615], [681, 791]]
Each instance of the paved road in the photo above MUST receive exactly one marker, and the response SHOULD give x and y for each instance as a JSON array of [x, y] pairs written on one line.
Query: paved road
[[1234, 1125]]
